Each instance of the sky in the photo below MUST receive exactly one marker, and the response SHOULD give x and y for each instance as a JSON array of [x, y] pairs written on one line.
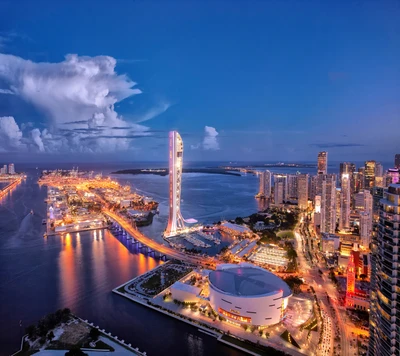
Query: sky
[[240, 80]]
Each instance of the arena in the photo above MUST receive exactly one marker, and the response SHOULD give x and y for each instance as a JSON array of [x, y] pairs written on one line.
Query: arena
[[247, 294]]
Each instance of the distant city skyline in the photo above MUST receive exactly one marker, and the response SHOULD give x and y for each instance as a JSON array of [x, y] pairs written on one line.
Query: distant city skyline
[[324, 80]]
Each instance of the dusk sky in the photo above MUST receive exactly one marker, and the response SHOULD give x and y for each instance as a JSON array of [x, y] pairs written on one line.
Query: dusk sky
[[240, 80]]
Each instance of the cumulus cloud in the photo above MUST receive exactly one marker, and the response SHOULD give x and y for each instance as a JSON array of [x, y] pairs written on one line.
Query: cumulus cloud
[[210, 141], [76, 94], [10, 134], [37, 139]]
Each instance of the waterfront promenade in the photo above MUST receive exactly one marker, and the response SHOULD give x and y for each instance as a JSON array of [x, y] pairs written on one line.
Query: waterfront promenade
[[166, 250]]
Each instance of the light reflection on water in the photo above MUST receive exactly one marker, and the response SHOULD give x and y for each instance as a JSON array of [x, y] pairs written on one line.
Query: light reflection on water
[[39, 275]]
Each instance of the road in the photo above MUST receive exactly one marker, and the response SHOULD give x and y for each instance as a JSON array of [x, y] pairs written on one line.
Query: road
[[154, 245], [310, 272], [324, 287]]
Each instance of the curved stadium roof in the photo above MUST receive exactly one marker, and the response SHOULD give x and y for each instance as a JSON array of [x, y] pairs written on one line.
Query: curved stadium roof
[[247, 281]]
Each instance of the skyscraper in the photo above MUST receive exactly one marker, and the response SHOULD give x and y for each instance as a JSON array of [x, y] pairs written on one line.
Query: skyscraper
[[349, 168], [393, 175], [264, 190], [384, 316], [344, 218], [268, 183], [280, 190], [351, 280], [397, 161], [369, 174], [11, 169], [360, 180], [378, 175], [292, 185], [365, 229], [323, 162], [328, 204], [175, 219], [302, 190], [261, 186]]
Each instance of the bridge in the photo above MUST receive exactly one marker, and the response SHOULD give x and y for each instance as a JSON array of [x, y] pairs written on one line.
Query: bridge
[[9, 187], [156, 246]]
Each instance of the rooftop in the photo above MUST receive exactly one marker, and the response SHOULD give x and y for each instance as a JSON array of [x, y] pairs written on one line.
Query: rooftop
[[186, 288], [239, 228], [247, 280]]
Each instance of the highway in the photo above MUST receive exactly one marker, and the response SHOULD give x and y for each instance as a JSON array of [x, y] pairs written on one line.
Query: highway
[[154, 245]]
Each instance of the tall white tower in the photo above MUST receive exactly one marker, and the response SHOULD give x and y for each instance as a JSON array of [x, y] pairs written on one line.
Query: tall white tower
[[175, 219]]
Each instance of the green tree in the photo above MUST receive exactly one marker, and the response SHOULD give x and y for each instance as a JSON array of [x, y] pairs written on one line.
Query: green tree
[[31, 331], [50, 336], [94, 333], [75, 351]]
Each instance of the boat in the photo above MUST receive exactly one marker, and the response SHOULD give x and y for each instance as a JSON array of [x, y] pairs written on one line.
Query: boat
[[31, 212], [44, 222]]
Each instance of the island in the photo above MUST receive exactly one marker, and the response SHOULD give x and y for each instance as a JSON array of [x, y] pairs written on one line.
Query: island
[[164, 171]]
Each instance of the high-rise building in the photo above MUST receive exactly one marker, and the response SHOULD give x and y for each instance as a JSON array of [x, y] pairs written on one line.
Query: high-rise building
[[11, 169], [323, 162], [385, 293], [281, 178], [268, 184], [393, 176], [347, 167], [328, 204], [378, 169], [369, 174], [312, 188], [261, 186], [365, 228], [264, 190], [377, 195], [175, 219], [378, 175], [302, 190], [279, 192], [351, 280], [292, 185], [360, 179], [397, 161], [345, 197]]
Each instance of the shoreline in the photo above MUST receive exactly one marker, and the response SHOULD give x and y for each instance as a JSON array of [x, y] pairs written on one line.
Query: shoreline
[[164, 171], [202, 326]]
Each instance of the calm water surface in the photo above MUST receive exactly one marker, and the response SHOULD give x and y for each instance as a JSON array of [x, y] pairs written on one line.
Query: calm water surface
[[39, 275]]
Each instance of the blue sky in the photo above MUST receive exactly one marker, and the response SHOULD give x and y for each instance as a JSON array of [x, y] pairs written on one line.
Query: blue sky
[[272, 80]]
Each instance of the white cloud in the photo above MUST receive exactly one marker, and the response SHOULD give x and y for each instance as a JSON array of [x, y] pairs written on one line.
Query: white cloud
[[37, 139], [210, 141], [10, 134], [6, 91], [77, 96], [153, 112]]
